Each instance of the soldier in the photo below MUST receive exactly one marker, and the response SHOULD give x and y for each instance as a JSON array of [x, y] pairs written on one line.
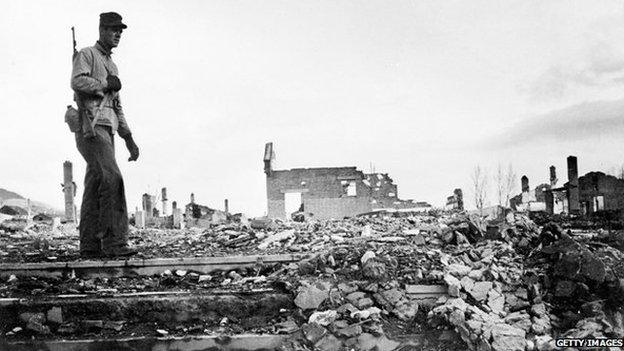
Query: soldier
[[103, 213]]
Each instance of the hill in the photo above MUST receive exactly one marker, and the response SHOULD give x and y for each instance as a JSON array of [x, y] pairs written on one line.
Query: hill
[[14, 199], [6, 194]]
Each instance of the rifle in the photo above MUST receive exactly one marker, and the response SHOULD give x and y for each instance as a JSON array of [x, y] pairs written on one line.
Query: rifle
[[74, 42], [72, 117]]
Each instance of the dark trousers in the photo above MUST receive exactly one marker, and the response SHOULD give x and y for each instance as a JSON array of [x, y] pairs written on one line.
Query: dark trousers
[[103, 213]]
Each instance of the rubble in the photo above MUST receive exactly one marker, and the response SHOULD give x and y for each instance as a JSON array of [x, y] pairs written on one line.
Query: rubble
[[310, 297], [511, 284]]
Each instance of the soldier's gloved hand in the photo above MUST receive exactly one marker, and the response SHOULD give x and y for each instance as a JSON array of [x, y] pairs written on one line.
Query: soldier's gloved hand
[[113, 83], [132, 147]]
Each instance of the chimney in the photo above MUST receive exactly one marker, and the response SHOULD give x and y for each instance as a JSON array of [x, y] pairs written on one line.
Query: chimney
[[164, 201], [192, 198], [227, 207], [269, 157], [174, 205], [460, 199], [148, 206], [573, 186], [553, 176], [525, 184]]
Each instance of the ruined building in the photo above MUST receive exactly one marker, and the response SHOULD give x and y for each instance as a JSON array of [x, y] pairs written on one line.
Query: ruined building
[[530, 200], [334, 192], [593, 192], [455, 201], [202, 216]]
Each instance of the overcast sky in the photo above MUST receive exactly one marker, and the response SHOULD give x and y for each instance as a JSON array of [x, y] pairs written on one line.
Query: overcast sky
[[423, 90]]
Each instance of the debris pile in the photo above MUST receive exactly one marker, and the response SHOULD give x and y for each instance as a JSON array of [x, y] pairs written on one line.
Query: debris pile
[[501, 300], [583, 281], [370, 282]]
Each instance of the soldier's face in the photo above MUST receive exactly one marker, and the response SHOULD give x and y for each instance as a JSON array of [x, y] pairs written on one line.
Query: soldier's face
[[111, 36]]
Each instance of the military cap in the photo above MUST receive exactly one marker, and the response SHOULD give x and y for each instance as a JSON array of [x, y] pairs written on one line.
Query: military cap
[[111, 19]]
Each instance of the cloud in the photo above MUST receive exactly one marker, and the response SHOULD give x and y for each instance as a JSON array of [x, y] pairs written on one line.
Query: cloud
[[604, 59], [597, 63], [603, 67], [583, 121]]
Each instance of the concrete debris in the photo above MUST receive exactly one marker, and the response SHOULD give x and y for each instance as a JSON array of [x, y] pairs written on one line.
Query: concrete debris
[[287, 327], [367, 231], [35, 322], [204, 278], [328, 343], [503, 284], [276, 238], [479, 290], [310, 297], [367, 256], [324, 318], [507, 337]]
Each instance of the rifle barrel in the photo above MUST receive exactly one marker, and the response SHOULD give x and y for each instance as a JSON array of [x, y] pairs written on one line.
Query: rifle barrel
[[74, 42]]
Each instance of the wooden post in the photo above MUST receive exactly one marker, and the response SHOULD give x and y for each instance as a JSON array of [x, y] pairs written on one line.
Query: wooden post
[[69, 189]]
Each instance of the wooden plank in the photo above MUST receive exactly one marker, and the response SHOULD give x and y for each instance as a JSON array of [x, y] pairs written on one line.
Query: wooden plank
[[154, 262], [27, 301], [144, 267], [426, 289], [188, 343]]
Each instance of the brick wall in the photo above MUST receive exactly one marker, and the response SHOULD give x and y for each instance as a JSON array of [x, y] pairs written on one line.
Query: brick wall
[[323, 191], [383, 190], [599, 184]]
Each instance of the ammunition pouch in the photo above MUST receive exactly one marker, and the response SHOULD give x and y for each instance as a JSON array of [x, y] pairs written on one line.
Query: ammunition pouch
[[72, 118]]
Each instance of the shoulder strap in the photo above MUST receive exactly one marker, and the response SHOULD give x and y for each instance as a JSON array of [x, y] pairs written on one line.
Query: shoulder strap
[[104, 100], [99, 110]]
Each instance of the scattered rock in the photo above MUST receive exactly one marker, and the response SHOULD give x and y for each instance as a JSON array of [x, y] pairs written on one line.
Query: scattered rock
[[323, 318], [496, 301], [313, 332], [287, 327], [375, 269], [328, 343], [508, 338], [310, 297], [367, 256], [364, 303], [480, 290], [349, 331], [467, 283], [454, 285], [459, 270], [204, 278]]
